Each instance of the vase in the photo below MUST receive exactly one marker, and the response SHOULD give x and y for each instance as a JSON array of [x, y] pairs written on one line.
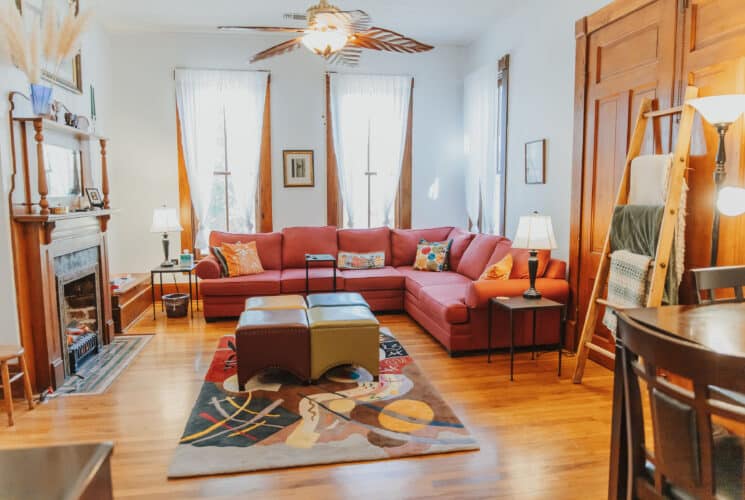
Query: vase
[[41, 97]]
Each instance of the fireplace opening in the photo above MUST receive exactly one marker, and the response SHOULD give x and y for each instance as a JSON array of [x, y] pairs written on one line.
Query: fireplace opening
[[79, 317]]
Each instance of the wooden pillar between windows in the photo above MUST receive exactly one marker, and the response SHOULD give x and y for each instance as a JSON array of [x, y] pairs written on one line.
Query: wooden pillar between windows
[[264, 218], [334, 210]]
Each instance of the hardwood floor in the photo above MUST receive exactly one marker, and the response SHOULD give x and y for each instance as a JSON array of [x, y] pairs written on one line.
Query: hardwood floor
[[540, 436]]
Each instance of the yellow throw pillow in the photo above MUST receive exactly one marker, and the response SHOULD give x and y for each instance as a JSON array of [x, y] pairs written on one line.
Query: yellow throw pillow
[[499, 271], [242, 258]]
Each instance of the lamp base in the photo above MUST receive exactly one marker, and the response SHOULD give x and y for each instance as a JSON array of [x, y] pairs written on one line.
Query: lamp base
[[167, 263], [532, 294]]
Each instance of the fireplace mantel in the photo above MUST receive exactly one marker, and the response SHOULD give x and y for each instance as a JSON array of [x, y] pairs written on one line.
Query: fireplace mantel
[[38, 240]]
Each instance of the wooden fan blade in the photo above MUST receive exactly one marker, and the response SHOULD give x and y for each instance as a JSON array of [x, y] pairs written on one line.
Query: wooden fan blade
[[383, 39], [282, 48], [348, 56], [272, 29], [353, 20]]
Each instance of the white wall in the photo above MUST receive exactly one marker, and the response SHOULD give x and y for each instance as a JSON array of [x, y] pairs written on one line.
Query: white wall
[[95, 65], [143, 155], [539, 36]]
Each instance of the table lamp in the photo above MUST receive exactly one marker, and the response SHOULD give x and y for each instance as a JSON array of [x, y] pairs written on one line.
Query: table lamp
[[165, 220], [721, 111], [534, 232]]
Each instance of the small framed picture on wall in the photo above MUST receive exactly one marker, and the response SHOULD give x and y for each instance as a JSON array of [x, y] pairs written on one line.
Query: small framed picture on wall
[[299, 168], [535, 162]]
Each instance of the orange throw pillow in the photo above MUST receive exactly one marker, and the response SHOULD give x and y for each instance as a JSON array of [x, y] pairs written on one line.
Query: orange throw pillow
[[242, 258], [499, 271]]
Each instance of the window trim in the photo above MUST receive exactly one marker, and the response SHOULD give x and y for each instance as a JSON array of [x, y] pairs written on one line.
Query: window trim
[[402, 205], [264, 214]]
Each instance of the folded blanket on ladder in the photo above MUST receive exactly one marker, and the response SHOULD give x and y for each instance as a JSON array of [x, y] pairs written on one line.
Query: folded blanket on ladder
[[628, 281]]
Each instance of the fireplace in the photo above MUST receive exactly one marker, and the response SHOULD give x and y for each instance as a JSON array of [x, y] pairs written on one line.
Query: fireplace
[[79, 304]]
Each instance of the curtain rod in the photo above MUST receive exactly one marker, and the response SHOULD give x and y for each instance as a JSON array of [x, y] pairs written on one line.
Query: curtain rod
[[221, 69], [367, 74]]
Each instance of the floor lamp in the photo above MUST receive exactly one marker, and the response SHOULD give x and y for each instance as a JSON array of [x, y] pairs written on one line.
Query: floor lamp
[[721, 111]]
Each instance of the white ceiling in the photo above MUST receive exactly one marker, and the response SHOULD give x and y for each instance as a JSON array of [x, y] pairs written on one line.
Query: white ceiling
[[449, 22]]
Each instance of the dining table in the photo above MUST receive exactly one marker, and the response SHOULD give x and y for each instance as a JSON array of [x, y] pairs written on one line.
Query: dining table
[[718, 327]]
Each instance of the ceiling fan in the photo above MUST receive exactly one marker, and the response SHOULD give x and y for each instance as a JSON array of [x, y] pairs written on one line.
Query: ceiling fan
[[337, 35]]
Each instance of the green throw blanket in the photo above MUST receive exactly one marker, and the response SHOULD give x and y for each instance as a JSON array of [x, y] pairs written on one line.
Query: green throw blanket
[[636, 228]]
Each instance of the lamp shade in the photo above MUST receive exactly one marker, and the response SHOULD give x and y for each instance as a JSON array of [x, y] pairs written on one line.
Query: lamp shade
[[535, 232], [731, 201], [720, 109], [165, 220]]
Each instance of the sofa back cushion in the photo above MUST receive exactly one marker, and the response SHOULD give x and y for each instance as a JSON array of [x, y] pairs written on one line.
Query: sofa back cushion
[[405, 241], [298, 241], [476, 256], [520, 258], [461, 239], [366, 241], [268, 246]]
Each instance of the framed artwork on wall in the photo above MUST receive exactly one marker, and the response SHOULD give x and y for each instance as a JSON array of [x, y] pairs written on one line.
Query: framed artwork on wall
[[69, 75], [535, 162], [299, 168]]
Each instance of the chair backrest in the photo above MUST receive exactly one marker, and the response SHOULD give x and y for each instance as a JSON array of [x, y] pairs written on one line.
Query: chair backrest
[[710, 279], [683, 460]]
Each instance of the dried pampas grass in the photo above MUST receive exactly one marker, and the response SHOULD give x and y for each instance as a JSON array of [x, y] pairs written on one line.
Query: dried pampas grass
[[46, 42]]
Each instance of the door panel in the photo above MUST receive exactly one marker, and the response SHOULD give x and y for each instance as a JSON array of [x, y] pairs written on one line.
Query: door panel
[[628, 59], [714, 61]]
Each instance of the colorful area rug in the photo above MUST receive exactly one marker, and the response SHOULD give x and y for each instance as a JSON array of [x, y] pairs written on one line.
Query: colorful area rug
[[347, 417], [98, 373]]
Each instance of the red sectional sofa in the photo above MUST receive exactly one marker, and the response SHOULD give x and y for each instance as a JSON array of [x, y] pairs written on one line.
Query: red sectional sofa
[[450, 305]]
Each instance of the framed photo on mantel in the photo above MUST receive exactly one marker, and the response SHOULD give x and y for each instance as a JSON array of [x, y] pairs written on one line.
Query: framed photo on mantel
[[535, 162], [69, 75], [299, 168]]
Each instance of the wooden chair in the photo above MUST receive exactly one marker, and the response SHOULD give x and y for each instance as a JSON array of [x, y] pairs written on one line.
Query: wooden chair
[[8, 354], [710, 279], [688, 461]]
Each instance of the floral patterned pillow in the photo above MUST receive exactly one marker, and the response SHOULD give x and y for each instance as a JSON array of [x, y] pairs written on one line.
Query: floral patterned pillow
[[432, 256], [349, 260]]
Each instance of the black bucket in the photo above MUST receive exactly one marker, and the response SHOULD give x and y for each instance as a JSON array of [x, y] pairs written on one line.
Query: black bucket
[[176, 304]]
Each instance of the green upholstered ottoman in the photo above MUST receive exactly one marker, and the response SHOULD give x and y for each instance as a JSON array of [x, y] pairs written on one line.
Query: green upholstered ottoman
[[344, 335], [338, 299]]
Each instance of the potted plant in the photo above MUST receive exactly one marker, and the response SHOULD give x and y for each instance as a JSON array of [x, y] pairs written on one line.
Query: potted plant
[[45, 46]]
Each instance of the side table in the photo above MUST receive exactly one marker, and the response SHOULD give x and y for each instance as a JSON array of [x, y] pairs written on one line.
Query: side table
[[176, 269], [521, 304], [314, 259]]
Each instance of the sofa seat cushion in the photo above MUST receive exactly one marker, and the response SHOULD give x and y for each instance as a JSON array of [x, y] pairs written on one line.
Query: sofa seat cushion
[[416, 280], [266, 283], [386, 278], [320, 280], [445, 302]]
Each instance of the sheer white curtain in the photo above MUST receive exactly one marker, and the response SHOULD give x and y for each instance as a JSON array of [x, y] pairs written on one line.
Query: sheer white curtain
[[369, 115], [210, 103], [480, 144]]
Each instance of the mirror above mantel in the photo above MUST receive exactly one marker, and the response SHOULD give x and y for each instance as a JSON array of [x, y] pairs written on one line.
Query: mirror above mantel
[[53, 164]]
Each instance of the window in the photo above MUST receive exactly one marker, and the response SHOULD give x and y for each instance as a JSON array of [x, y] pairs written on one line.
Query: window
[[223, 122], [369, 150], [485, 146]]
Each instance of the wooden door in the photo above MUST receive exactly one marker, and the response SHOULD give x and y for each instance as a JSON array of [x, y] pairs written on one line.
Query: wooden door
[[713, 60], [629, 55]]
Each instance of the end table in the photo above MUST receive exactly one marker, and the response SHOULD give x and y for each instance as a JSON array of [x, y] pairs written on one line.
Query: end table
[[175, 269], [521, 304], [317, 258]]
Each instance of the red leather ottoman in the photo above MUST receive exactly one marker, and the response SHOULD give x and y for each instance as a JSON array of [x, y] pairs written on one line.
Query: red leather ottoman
[[272, 339]]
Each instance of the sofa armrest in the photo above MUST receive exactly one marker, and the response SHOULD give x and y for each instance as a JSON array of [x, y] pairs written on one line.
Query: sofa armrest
[[557, 269], [208, 268], [478, 293]]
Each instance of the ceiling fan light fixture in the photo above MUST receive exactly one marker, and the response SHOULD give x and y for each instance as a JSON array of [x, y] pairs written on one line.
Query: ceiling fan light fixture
[[325, 42]]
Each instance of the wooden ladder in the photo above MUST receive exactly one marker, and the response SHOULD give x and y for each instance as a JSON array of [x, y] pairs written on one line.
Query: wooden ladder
[[667, 229]]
